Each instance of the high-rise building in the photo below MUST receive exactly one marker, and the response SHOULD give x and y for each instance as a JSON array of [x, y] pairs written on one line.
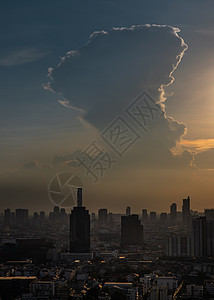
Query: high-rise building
[[131, 231], [79, 228], [56, 210], [103, 216], [209, 213], [179, 246], [42, 215], [21, 216], [128, 211], [7, 218], [93, 216], [79, 197], [199, 235], [144, 216], [153, 217], [173, 213], [186, 211], [163, 218]]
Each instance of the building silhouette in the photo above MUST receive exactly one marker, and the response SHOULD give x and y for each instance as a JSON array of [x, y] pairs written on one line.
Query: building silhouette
[[173, 213], [21, 216], [186, 211], [128, 211], [199, 235], [7, 217], [179, 246], [79, 227], [163, 218], [144, 216], [153, 217], [103, 216], [209, 214], [131, 231]]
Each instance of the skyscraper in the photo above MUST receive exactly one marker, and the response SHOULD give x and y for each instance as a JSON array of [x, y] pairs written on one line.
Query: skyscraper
[[131, 231], [103, 216], [21, 216], [163, 218], [79, 227], [144, 216], [209, 213], [173, 213], [199, 235], [153, 217], [186, 211], [79, 197], [56, 210], [7, 213]]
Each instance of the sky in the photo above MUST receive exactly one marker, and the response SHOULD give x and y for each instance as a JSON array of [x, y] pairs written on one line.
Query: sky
[[70, 69]]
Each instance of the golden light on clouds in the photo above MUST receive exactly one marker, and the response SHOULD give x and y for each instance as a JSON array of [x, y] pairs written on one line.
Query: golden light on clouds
[[194, 146]]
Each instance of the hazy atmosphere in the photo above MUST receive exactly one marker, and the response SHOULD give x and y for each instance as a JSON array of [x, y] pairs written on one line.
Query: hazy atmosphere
[[73, 75]]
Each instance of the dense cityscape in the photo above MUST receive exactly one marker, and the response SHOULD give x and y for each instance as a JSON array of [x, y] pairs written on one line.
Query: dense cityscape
[[105, 255]]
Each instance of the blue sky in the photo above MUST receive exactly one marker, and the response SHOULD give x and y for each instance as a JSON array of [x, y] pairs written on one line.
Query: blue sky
[[36, 34]]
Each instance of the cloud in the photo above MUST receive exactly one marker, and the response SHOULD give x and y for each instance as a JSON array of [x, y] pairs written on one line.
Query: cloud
[[65, 160], [196, 146], [103, 76], [21, 57], [65, 103], [101, 79]]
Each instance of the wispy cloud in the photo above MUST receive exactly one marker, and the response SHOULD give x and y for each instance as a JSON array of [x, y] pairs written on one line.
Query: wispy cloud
[[21, 57], [195, 146], [67, 104]]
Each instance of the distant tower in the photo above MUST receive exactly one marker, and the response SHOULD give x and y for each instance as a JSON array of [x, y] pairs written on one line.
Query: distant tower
[[199, 233], [79, 227], [144, 216], [163, 218], [153, 217], [56, 210], [186, 211], [7, 216], [128, 211], [21, 216], [209, 213], [131, 231], [103, 216], [173, 213], [79, 197]]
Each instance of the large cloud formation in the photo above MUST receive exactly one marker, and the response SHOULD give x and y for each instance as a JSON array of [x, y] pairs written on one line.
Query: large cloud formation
[[99, 81], [103, 76]]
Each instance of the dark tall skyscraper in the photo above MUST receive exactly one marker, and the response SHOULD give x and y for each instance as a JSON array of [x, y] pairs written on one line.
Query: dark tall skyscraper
[[21, 216], [79, 197], [79, 228], [199, 235], [173, 213], [186, 211], [131, 231], [209, 213], [103, 216], [7, 213]]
